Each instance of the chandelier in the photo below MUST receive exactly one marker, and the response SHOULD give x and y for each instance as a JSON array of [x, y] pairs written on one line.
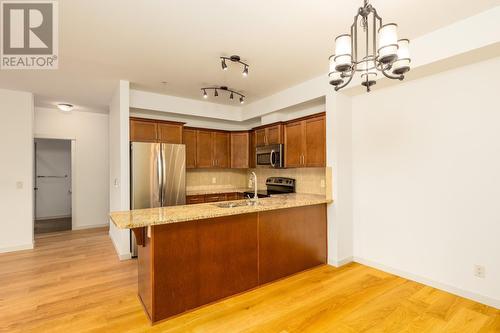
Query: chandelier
[[382, 52]]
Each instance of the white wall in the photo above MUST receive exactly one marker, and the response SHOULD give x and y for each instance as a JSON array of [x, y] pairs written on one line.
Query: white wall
[[119, 165], [16, 170], [426, 162], [53, 197], [90, 134]]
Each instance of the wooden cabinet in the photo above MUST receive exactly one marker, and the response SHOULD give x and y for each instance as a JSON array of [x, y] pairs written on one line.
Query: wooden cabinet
[[240, 152], [212, 149], [221, 149], [214, 197], [169, 133], [150, 130], [305, 142], [251, 158], [291, 240], [315, 142], [185, 265], [195, 199], [268, 135], [143, 130], [204, 149], [189, 139], [294, 144]]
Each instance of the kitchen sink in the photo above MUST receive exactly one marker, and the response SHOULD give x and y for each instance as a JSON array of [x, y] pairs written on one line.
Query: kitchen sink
[[233, 204]]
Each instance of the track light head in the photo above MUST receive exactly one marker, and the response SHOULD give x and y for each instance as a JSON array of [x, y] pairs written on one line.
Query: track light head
[[245, 71], [231, 96], [216, 94], [242, 100], [224, 65], [205, 94]]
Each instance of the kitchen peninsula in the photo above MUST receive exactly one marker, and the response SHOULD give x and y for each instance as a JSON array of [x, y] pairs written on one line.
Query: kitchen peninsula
[[192, 255]]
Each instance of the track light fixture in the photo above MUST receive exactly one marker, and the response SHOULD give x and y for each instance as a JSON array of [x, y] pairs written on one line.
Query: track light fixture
[[223, 88], [234, 58]]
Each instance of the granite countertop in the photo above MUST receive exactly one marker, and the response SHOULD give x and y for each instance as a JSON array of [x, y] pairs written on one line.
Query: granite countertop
[[217, 190], [174, 214]]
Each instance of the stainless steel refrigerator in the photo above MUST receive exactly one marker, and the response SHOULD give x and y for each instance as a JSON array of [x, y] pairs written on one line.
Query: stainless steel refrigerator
[[157, 177]]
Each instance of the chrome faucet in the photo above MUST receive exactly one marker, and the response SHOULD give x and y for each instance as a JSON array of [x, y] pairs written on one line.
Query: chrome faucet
[[255, 195]]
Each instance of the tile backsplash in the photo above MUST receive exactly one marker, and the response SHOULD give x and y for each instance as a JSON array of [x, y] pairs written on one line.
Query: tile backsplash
[[199, 179], [308, 180]]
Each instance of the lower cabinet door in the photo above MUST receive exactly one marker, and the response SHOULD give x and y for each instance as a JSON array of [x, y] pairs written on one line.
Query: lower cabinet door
[[290, 241]]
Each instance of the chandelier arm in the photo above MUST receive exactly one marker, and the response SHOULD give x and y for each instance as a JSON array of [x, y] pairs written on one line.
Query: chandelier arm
[[337, 88], [399, 77]]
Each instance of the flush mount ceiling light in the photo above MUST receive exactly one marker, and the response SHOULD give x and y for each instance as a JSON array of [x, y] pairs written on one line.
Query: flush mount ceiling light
[[234, 58], [65, 107], [223, 88], [383, 52]]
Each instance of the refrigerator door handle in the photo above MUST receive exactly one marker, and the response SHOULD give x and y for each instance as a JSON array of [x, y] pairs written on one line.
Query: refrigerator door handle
[[160, 175]]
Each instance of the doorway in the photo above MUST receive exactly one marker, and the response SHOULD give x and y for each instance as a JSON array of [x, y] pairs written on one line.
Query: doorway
[[53, 185]]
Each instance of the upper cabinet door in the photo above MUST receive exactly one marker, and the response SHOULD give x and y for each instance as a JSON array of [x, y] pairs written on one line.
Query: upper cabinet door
[[260, 137], [315, 142], [221, 149], [294, 144], [204, 149], [170, 133], [189, 139], [274, 134], [143, 131], [240, 142]]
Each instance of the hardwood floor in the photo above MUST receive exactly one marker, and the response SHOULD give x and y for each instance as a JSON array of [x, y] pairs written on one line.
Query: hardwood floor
[[52, 225], [73, 282]]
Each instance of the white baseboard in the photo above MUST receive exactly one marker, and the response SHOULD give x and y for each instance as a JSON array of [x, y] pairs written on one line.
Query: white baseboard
[[341, 262], [121, 256], [83, 227], [438, 285], [16, 248], [52, 217]]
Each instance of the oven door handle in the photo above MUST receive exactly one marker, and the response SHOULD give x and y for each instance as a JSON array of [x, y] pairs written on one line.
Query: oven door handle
[[271, 158]]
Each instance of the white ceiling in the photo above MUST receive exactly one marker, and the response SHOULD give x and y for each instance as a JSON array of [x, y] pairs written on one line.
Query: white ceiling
[[149, 41]]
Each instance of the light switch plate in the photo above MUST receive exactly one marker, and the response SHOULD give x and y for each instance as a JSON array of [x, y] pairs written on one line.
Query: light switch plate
[[19, 185], [214, 180]]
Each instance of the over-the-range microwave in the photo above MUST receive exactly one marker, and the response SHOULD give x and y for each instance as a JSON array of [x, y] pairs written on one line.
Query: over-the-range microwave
[[271, 156]]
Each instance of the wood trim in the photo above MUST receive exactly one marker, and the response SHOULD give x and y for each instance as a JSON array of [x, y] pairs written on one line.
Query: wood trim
[[158, 121], [140, 235], [320, 114], [206, 129], [269, 125]]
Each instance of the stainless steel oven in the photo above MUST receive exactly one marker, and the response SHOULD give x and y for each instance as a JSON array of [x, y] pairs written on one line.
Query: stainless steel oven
[[270, 156]]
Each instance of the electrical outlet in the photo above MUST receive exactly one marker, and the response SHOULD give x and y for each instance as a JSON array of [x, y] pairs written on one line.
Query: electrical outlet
[[214, 180], [19, 185], [479, 271], [322, 184]]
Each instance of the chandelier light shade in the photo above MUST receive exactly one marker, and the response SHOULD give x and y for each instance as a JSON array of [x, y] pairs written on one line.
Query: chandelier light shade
[[223, 88], [371, 48]]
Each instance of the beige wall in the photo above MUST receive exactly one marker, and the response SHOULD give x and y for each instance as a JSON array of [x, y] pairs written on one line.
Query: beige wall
[[426, 179], [16, 170]]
